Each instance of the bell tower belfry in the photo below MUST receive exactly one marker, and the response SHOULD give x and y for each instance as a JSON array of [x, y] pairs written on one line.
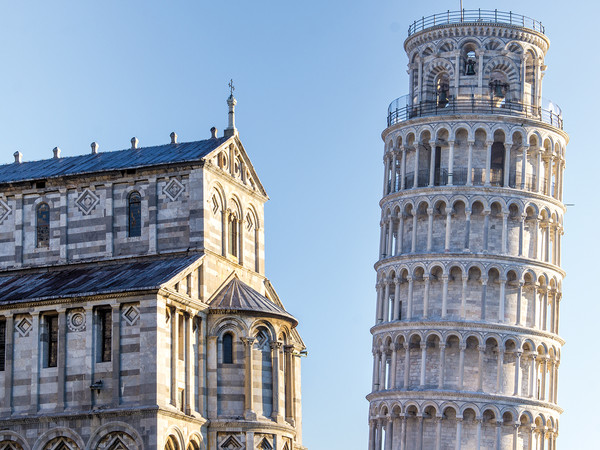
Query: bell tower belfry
[[465, 341]]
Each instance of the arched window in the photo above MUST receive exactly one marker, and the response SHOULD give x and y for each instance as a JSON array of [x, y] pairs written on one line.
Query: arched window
[[497, 164], [233, 224], [227, 348], [134, 208], [42, 226], [171, 444]]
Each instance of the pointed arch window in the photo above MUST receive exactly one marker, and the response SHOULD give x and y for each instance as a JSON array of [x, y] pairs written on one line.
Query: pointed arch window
[[227, 348], [134, 209], [42, 226]]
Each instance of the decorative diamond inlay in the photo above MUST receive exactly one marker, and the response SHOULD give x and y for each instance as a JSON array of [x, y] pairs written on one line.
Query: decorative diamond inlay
[[173, 189], [4, 210], [131, 314], [87, 201], [24, 326]]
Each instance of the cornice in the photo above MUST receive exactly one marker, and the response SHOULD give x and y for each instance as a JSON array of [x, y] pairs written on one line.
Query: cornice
[[474, 119], [485, 29], [459, 258], [459, 396], [492, 191], [453, 325]]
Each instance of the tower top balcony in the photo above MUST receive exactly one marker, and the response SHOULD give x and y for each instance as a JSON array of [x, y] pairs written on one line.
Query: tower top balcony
[[402, 109], [475, 17]]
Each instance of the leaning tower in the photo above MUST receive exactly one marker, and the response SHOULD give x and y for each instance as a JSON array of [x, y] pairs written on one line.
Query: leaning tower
[[465, 342]]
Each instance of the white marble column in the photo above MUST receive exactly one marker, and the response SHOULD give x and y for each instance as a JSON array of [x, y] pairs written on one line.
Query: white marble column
[[504, 233], [449, 212], [423, 362], [488, 162], [406, 365], [400, 234], [461, 365], [386, 172], [410, 298], [397, 310], [463, 301], [450, 163], [426, 280], [459, 421], [481, 349], [517, 382], [416, 166], [392, 372], [502, 300], [524, 167], [444, 296], [429, 229], [249, 413], [403, 168], [386, 301], [276, 347], [500, 357], [432, 165], [470, 164], [442, 364], [507, 146], [414, 231]]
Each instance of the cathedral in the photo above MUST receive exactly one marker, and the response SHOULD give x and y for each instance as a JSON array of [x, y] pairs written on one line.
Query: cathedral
[[466, 347], [134, 308]]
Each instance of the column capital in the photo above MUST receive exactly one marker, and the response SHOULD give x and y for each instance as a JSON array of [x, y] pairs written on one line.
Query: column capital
[[442, 346], [462, 346], [423, 345], [248, 340], [481, 348], [288, 348]]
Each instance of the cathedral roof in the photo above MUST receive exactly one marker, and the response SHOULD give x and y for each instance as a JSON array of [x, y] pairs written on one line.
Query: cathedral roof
[[107, 161], [237, 296], [91, 279]]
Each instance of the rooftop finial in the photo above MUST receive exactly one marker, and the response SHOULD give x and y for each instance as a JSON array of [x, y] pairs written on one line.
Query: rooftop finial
[[56, 152], [134, 143], [173, 137], [94, 146], [231, 102], [18, 157]]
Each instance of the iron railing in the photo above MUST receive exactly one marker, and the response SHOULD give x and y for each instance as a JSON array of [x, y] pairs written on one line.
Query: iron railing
[[401, 110], [475, 16]]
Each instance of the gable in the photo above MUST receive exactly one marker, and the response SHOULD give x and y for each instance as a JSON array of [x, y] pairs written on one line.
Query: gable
[[233, 161]]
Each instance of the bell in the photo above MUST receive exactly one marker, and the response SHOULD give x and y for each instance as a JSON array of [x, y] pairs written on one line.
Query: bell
[[442, 98], [470, 67], [498, 90]]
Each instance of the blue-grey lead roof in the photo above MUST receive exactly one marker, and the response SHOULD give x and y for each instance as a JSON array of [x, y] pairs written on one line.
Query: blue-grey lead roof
[[107, 161], [237, 296], [93, 279]]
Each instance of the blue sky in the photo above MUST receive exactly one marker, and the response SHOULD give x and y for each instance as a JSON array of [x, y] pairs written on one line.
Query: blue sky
[[313, 82]]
